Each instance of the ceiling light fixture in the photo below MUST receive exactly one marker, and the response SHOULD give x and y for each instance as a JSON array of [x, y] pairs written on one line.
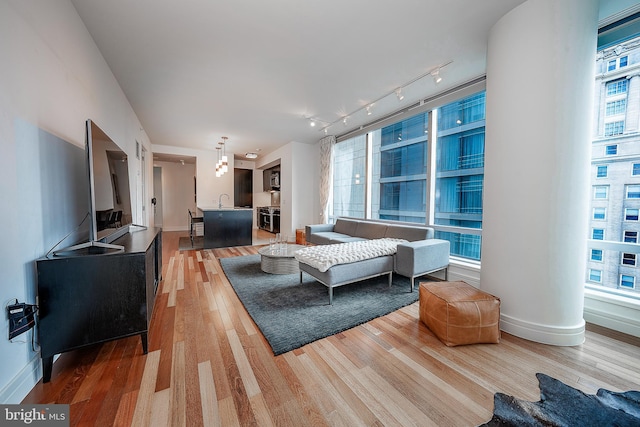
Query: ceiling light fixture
[[222, 165], [437, 78], [433, 72], [251, 155], [218, 170]]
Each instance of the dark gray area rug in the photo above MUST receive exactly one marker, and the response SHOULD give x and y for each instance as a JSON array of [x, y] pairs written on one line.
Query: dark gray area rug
[[562, 405], [291, 314], [184, 243]]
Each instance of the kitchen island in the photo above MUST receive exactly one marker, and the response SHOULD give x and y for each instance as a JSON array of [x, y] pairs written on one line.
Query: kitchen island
[[225, 227]]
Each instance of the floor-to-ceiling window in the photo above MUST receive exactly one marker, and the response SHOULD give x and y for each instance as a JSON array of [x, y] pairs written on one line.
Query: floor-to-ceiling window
[[405, 171], [400, 164], [460, 173], [614, 248]]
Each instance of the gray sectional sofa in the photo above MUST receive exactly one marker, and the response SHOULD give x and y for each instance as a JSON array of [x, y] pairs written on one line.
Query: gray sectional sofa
[[420, 255]]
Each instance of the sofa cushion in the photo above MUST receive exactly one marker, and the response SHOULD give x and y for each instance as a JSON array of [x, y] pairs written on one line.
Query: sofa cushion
[[346, 226], [408, 233], [327, 237], [370, 230]]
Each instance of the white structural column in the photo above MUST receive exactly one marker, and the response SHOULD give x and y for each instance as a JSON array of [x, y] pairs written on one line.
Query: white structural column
[[540, 65]]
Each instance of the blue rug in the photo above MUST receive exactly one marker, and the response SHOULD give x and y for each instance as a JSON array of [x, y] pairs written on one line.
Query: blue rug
[[291, 314]]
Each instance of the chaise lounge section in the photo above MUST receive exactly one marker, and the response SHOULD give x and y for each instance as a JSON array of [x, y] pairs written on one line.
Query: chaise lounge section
[[418, 254]]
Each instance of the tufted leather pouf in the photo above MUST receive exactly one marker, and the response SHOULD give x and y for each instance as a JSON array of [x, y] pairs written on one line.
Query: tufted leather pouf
[[458, 314]]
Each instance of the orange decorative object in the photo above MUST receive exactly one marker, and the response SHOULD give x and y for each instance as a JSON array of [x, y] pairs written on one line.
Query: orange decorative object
[[301, 238], [458, 314]]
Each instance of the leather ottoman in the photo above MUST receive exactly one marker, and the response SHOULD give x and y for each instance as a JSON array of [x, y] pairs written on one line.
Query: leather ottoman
[[458, 314]]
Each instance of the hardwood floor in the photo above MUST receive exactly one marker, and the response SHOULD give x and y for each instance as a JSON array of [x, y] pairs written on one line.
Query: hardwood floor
[[208, 364]]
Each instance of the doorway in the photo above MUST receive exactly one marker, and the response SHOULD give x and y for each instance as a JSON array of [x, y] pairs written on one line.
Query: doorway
[[157, 195]]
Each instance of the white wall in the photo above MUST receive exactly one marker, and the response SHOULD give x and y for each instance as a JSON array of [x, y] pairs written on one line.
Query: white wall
[[210, 187], [299, 191], [52, 79]]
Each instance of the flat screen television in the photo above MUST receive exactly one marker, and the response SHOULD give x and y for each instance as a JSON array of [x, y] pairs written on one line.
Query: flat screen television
[[109, 191]]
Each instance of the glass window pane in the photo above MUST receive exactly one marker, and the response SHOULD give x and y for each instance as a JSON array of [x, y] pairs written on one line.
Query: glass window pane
[[399, 169], [600, 192], [627, 281], [597, 234], [601, 172], [633, 191], [349, 177], [595, 275], [631, 214], [631, 236], [596, 254], [629, 259]]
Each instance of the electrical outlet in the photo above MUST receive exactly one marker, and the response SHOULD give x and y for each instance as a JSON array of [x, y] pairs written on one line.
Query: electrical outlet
[[21, 318]]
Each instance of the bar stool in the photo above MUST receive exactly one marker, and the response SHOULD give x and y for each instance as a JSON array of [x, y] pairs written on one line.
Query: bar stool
[[193, 220]]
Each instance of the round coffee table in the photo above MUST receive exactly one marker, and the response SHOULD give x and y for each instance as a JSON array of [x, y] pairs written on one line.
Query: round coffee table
[[279, 259]]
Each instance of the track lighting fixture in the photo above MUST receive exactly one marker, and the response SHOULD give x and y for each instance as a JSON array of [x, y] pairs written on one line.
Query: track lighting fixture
[[434, 73], [436, 76]]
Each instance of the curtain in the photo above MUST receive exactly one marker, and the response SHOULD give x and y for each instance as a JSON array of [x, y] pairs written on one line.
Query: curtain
[[326, 172]]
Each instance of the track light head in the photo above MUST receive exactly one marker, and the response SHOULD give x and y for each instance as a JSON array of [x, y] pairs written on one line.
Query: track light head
[[436, 76], [368, 110], [399, 94]]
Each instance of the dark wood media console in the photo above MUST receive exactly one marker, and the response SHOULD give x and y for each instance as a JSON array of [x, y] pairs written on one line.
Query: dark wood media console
[[94, 295]]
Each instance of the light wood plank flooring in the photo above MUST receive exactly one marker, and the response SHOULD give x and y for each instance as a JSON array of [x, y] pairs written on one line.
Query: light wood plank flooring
[[208, 364]]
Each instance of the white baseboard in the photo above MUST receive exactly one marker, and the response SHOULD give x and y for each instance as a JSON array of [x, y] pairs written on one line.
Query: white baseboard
[[20, 385], [545, 334]]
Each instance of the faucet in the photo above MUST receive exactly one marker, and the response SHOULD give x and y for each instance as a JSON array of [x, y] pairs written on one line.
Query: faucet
[[220, 200]]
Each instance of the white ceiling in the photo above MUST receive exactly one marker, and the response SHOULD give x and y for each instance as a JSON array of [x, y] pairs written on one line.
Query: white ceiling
[[252, 70]]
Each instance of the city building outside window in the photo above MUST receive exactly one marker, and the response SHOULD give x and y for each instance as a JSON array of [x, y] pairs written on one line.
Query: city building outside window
[[623, 61], [385, 174], [627, 281], [616, 107], [612, 263], [633, 191], [629, 259], [614, 128], [631, 214], [596, 254], [631, 236], [600, 192], [602, 172]]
